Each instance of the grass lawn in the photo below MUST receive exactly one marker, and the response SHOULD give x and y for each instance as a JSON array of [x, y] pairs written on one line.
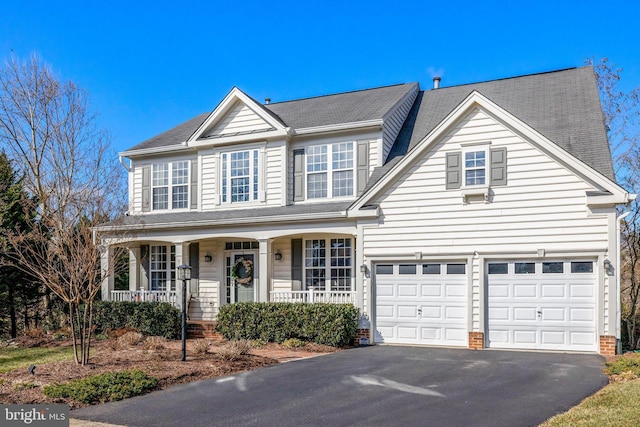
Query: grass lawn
[[16, 358], [617, 404]]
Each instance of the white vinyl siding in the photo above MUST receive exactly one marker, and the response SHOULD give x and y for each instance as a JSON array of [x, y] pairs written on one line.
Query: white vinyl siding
[[204, 305], [241, 119], [543, 205]]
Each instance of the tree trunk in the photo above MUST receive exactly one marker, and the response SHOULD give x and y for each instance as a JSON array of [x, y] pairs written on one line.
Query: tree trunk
[[12, 310]]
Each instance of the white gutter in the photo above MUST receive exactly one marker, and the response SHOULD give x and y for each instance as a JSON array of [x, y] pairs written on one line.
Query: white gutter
[[123, 163]]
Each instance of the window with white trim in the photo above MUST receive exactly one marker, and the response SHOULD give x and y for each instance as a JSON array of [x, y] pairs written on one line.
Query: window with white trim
[[170, 185], [162, 268], [475, 168], [330, 170], [240, 176], [328, 269]]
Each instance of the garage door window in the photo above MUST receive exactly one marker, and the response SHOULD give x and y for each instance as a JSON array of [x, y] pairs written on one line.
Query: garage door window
[[430, 268], [455, 268], [407, 269], [384, 269], [552, 267], [525, 268], [498, 268], [582, 267]]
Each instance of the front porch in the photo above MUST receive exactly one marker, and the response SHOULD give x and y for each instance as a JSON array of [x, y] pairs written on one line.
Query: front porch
[[296, 268]]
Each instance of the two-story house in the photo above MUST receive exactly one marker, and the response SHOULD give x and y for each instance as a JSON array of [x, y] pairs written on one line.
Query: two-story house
[[480, 215]]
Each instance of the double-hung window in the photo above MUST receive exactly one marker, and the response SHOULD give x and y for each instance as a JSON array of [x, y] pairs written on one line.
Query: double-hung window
[[328, 264], [170, 185], [475, 168], [162, 266], [240, 176], [330, 170]]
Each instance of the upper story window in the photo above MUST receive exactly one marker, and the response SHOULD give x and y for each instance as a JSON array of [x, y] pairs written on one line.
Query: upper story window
[[330, 170], [170, 185], [475, 167], [240, 176]]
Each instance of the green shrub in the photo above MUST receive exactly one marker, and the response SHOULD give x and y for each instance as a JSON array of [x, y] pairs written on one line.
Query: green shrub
[[329, 324], [293, 343], [149, 318], [628, 362], [104, 387]]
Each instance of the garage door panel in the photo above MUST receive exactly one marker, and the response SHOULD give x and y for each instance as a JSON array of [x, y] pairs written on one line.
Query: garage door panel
[[553, 290], [421, 307], [555, 310], [385, 311], [524, 337], [455, 290], [455, 313], [524, 291], [432, 312], [582, 290], [499, 291], [432, 290], [385, 290], [407, 332], [582, 315], [553, 314], [407, 311]]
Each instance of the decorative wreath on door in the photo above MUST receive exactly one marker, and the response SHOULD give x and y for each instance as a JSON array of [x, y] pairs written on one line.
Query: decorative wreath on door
[[242, 271]]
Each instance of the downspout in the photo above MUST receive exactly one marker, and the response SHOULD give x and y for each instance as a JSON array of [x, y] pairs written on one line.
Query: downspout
[[618, 282]]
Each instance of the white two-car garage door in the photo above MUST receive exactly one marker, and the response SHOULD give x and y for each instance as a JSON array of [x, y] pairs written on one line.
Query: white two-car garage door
[[546, 305], [421, 303]]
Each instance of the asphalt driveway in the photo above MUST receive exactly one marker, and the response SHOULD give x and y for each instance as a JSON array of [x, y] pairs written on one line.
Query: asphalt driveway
[[375, 386]]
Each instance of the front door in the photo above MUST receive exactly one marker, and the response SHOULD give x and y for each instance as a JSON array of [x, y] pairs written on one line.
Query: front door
[[241, 278]]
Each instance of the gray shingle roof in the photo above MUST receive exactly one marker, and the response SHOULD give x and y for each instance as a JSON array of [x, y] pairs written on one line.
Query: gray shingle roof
[[221, 217], [564, 106], [348, 107], [345, 107]]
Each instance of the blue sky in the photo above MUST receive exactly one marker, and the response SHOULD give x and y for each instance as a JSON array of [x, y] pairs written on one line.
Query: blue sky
[[152, 65]]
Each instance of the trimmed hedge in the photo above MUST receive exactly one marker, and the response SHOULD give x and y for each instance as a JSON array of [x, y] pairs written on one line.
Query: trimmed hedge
[[104, 387], [150, 318], [329, 324]]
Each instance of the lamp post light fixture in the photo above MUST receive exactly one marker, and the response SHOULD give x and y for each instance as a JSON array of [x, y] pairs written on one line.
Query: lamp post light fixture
[[184, 274]]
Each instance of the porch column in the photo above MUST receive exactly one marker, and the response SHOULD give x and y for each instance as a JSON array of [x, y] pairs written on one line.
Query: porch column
[[263, 270], [182, 257], [134, 268], [106, 258]]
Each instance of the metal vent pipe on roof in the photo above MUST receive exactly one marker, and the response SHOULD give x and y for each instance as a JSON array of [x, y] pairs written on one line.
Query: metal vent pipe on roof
[[436, 82], [267, 100]]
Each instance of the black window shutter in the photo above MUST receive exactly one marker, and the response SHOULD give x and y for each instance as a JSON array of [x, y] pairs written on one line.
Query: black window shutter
[[194, 184], [296, 260]]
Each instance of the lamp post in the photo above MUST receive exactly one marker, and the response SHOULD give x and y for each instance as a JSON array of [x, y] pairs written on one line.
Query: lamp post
[[184, 274]]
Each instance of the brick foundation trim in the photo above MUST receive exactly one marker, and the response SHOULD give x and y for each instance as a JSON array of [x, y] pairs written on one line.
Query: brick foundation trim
[[476, 340], [361, 333], [607, 345], [203, 330]]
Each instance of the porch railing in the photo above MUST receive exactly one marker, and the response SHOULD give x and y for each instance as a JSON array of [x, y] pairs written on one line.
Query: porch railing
[[311, 295], [146, 296]]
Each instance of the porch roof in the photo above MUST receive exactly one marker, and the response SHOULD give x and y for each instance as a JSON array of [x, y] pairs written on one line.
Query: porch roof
[[298, 212]]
